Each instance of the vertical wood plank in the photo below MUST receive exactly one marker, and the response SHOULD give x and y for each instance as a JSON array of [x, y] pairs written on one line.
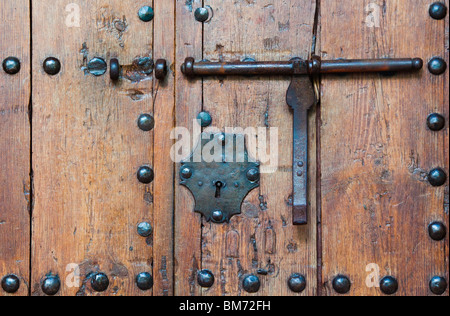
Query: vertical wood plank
[[164, 106], [88, 148], [266, 240], [376, 148], [188, 105], [15, 188]]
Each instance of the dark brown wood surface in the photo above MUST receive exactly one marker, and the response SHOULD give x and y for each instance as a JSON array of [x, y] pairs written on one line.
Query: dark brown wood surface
[[15, 185], [376, 148]]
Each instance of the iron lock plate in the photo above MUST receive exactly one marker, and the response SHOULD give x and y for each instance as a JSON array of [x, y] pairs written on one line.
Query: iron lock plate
[[220, 174]]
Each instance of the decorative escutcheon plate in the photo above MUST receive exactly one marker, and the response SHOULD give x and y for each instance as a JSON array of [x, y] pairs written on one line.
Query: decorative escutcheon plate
[[220, 174]]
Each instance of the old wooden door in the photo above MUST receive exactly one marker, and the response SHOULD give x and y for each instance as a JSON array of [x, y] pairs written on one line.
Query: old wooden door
[[76, 220]]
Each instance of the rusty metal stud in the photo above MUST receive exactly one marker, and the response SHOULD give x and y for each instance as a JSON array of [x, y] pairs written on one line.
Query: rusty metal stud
[[97, 66], [342, 284], [100, 282], [10, 284], [437, 177], [253, 175], [297, 283], [145, 175], [251, 284], [146, 13], [201, 15], [437, 66], [205, 119], [145, 229], [205, 278], [11, 65], [435, 122], [186, 173], [52, 66], [437, 231], [438, 11], [51, 285], [389, 285], [161, 69], [114, 69], [146, 122], [438, 285], [144, 281]]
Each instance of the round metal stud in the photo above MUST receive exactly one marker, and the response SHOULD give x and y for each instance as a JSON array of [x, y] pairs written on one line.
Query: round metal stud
[[145, 175], [145, 229], [201, 15], [342, 284], [97, 66], [52, 66], [251, 284], [437, 177], [437, 231], [51, 285], [437, 66], [297, 283], [146, 13], [389, 285], [146, 122], [253, 175], [10, 284], [438, 285], [186, 173], [144, 281], [435, 122], [205, 119], [438, 11], [161, 69], [217, 216], [100, 282], [114, 69], [205, 278], [11, 65]]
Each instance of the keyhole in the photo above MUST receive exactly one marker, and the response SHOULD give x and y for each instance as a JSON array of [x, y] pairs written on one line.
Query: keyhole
[[219, 186]]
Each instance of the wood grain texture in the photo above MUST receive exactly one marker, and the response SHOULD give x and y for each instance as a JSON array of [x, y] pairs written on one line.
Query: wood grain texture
[[15, 188], [164, 108], [262, 237], [376, 149], [88, 148], [188, 105]]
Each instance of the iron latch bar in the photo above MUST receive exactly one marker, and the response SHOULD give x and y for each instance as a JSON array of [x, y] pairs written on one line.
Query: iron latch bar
[[300, 97]]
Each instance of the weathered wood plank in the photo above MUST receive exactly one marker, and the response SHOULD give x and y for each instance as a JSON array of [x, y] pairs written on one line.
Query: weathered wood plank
[[263, 236], [164, 107], [88, 148], [15, 188], [188, 105], [376, 148]]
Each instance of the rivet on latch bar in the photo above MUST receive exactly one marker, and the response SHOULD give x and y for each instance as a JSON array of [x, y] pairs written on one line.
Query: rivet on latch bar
[[160, 68]]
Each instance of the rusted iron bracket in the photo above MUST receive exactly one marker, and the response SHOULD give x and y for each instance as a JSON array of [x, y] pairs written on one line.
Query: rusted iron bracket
[[221, 180], [300, 97]]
